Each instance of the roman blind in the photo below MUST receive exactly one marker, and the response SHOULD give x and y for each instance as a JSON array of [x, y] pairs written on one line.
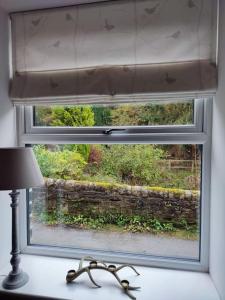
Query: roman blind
[[121, 50]]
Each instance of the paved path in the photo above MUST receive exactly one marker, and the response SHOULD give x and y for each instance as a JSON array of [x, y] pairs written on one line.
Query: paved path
[[103, 240]]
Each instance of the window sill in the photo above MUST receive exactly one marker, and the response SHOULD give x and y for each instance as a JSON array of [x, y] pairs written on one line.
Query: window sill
[[47, 278]]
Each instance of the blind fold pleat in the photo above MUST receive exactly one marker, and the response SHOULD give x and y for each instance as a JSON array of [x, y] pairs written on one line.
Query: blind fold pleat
[[114, 51]]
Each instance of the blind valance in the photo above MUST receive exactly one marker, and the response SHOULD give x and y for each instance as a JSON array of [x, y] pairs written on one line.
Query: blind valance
[[114, 51]]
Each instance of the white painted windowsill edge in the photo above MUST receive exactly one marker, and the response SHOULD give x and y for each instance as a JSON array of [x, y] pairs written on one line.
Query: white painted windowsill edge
[[47, 278]]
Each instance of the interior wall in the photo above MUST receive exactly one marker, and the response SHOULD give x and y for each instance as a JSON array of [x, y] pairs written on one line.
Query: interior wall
[[7, 136], [217, 249]]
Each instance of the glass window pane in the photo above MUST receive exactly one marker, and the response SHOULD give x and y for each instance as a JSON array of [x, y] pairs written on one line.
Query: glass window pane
[[141, 199], [148, 114]]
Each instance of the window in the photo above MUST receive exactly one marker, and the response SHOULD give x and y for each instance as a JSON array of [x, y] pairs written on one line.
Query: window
[[139, 114], [125, 182]]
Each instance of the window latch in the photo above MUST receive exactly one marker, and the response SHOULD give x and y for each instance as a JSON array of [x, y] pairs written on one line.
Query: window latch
[[110, 131]]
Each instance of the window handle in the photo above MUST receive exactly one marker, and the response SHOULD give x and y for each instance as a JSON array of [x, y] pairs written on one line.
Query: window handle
[[110, 131]]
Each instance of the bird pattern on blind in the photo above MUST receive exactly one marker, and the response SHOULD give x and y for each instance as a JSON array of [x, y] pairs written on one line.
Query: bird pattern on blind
[[115, 47]]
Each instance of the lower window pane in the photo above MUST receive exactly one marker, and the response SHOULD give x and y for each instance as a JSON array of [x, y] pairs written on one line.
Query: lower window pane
[[142, 199]]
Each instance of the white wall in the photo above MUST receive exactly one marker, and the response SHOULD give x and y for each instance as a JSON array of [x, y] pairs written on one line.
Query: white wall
[[217, 255], [7, 137]]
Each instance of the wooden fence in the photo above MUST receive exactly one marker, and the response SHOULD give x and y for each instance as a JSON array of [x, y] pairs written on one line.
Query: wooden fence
[[171, 164]]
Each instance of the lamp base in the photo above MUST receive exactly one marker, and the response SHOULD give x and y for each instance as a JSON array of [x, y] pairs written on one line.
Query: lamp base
[[15, 281]]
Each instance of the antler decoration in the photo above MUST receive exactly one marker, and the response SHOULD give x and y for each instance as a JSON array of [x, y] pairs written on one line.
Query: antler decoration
[[100, 265]]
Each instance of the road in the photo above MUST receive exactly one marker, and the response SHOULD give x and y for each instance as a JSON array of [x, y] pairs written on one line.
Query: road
[[114, 241]]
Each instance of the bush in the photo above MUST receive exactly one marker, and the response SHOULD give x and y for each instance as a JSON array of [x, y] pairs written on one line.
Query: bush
[[74, 116], [134, 223], [95, 155], [136, 164], [59, 164], [83, 149]]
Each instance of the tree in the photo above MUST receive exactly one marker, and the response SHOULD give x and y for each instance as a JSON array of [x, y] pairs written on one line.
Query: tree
[[102, 115], [75, 116], [153, 114], [126, 115]]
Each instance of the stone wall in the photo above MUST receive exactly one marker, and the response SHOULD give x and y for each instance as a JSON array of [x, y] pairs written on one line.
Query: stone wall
[[83, 197]]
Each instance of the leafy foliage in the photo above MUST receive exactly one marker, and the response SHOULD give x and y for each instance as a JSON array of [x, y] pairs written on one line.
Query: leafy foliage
[[59, 164], [122, 164], [102, 115], [135, 223], [136, 164], [43, 115], [133, 164], [74, 116], [153, 114], [125, 114], [95, 155], [82, 149]]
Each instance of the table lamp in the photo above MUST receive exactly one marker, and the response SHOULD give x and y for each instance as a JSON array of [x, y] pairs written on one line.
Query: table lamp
[[18, 170]]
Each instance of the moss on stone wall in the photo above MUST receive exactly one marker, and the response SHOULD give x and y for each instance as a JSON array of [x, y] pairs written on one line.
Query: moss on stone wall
[[79, 197]]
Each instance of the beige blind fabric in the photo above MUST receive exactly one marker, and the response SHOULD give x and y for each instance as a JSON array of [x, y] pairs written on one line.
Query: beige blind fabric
[[114, 51]]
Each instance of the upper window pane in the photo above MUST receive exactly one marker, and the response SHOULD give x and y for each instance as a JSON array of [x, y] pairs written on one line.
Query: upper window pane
[[139, 114]]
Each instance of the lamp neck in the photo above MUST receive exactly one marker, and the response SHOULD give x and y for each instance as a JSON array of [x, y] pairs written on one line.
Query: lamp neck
[[15, 260]]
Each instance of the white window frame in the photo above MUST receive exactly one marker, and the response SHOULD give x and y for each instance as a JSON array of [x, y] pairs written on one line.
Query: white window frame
[[198, 133]]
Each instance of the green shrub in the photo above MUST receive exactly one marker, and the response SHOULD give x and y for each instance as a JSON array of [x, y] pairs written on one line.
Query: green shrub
[[134, 223], [59, 164], [83, 149], [136, 164], [74, 116]]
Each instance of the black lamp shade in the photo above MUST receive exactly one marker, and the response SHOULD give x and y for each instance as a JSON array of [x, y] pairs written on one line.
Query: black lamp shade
[[19, 169]]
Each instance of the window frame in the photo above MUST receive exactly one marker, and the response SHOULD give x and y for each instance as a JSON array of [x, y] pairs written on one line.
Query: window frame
[[198, 133], [30, 128]]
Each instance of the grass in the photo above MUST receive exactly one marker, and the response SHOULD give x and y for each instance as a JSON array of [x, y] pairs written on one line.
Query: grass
[[121, 223]]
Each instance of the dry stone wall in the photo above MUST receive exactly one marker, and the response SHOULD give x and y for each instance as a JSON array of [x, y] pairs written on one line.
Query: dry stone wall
[[93, 198]]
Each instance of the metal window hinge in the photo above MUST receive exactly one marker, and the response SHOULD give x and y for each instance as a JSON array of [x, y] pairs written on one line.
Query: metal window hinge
[[110, 131]]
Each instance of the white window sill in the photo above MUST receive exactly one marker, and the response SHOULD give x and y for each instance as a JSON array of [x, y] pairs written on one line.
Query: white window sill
[[47, 278]]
